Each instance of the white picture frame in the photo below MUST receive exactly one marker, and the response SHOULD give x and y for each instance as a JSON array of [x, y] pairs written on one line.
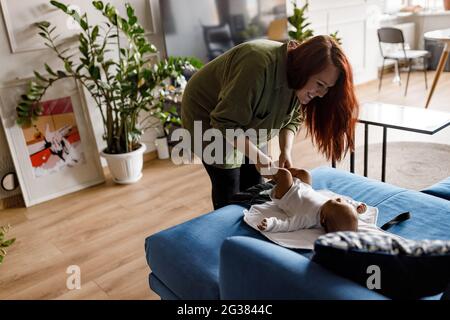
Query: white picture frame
[[21, 16], [47, 166]]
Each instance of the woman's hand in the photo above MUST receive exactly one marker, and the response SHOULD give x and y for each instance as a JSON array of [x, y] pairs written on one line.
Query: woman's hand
[[285, 160]]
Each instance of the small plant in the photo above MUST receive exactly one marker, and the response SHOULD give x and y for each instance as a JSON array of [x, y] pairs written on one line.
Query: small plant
[[299, 22], [3, 242], [336, 37], [169, 119]]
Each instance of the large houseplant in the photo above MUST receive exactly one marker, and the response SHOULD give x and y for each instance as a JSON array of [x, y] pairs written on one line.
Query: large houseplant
[[114, 65]]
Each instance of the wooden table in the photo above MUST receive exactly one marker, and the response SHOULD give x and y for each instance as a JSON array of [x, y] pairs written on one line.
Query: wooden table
[[444, 37], [396, 117]]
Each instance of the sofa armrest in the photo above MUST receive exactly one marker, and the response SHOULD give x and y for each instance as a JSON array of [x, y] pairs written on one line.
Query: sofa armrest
[[256, 269], [440, 189]]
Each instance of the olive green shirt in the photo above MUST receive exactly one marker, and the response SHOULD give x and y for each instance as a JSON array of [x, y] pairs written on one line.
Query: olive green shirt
[[245, 88]]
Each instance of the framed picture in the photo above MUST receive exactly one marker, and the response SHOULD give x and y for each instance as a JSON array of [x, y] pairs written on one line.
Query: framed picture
[[57, 154], [21, 16]]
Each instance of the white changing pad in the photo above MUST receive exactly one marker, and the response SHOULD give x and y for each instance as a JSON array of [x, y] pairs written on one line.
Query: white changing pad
[[300, 239]]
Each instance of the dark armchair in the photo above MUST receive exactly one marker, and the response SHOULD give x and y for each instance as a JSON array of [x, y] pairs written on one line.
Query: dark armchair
[[217, 40], [395, 36]]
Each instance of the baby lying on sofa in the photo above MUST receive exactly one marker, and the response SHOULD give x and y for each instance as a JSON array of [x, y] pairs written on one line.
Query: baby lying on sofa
[[306, 208]]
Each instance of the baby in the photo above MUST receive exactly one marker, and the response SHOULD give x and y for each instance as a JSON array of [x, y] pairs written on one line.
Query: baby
[[307, 208]]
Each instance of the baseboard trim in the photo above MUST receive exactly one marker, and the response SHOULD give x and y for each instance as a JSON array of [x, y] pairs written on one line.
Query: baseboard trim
[[149, 156], [17, 200], [12, 202]]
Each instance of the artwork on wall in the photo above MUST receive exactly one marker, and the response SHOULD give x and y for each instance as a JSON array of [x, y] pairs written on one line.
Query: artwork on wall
[[21, 16], [57, 154]]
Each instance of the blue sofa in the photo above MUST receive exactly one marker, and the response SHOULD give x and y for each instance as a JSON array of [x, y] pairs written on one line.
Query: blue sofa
[[218, 256]]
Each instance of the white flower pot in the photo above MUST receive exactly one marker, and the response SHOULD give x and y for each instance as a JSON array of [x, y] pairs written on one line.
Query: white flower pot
[[162, 147], [126, 168]]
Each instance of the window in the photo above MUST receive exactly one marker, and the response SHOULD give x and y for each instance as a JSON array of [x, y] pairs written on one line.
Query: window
[[391, 6], [427, 4]]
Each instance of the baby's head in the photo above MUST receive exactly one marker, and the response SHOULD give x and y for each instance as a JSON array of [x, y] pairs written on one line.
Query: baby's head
[[337, 215]]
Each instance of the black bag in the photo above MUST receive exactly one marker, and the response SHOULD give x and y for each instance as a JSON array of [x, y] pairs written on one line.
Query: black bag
[[254, 195], [408, 269]]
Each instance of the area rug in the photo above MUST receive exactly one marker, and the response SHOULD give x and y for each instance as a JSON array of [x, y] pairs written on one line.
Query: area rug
[[412, 165]]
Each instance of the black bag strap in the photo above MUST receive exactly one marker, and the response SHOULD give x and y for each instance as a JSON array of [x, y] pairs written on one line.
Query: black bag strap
[[400, 218]]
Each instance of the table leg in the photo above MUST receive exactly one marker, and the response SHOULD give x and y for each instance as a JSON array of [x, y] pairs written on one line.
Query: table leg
[[439, 70], [352, 157], [383, 160], [352, 162], [397, 78], [333, 163], [366, 147]]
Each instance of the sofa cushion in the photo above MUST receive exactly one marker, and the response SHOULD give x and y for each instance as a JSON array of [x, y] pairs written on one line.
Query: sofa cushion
[[163, 291], [440, 189], [185, 258], [356, 187], [430, 216], [409, 269]]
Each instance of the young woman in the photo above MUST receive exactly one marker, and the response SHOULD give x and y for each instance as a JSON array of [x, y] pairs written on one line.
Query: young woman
[[269, 85]]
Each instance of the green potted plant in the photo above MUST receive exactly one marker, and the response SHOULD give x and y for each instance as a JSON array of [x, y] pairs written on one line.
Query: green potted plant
[[3, 242], [119, 76], [165, 117], [170, 119], [298, 21]]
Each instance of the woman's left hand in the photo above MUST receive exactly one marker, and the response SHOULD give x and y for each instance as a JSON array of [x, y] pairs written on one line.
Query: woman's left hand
[[285, 160]]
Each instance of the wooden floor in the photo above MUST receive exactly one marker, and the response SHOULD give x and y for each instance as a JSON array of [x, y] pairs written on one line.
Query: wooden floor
[[102, 229]]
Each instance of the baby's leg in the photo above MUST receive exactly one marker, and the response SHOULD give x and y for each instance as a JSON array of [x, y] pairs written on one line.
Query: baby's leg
[[283, 179], [301, 174]]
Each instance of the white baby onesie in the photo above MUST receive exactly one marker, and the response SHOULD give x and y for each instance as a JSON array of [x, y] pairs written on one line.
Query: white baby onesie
[[302, 206]]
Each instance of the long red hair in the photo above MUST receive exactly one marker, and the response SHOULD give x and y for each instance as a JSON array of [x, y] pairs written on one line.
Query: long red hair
[[330, 120]]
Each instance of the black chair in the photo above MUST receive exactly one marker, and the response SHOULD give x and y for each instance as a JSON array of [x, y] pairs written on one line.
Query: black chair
[[395, 36], [217, 40]]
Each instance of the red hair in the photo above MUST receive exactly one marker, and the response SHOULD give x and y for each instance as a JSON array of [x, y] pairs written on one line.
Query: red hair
[[330, 120]]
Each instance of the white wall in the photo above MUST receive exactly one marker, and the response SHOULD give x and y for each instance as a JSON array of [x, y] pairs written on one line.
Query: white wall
[[356, 21], [193, 44], [15, 66]]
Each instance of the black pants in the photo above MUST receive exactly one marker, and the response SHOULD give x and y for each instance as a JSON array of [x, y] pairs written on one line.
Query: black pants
[[228, 182]]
